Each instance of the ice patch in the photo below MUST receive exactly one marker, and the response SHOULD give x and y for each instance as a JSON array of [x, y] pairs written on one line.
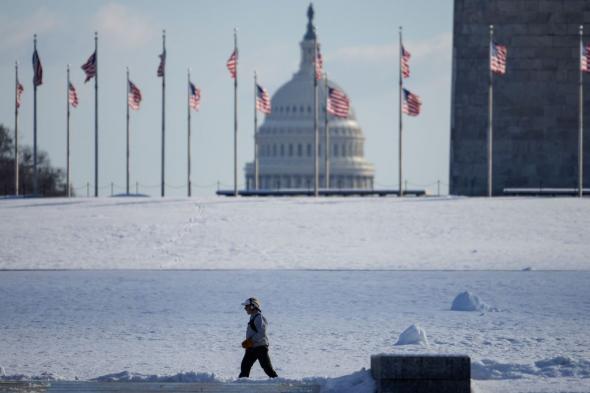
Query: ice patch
[[413, 335], [44, 377], [560, 366], [466, 301]]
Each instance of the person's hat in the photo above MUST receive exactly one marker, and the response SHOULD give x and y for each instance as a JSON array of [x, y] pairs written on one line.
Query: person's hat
[[252, 301]]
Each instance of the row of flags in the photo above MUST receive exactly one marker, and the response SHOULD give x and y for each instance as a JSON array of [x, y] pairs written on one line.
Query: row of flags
[[338, 103], [89, 69]]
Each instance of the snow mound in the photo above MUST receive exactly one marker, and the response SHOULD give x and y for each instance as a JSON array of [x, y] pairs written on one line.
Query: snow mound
[[413, 335], [357, 382], [556, 367], [466, 301], [127, 376]]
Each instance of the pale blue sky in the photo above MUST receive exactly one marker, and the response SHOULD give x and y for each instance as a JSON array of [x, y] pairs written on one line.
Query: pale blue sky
[[359, 41]]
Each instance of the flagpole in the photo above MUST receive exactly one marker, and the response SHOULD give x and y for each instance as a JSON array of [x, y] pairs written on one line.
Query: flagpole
[[16, 128], [490, 115], [581, 132], [315, 122], [327, 137], [163, 110], [256, 163], [35, 180], [236, 116], [401, 191], [68, 134], [127, 101], [188, 107], [96, 115]]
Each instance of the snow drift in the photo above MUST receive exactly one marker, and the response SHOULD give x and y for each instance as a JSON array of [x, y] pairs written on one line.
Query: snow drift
[[556, 367], [357, 382]]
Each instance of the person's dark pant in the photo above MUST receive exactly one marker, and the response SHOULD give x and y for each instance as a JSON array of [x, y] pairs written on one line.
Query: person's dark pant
[[251, 356]]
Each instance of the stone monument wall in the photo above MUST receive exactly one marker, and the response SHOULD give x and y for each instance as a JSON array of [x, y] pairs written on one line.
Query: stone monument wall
[[535, 102]]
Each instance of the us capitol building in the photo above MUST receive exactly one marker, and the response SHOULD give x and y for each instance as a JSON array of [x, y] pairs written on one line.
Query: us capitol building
[[286, 137]]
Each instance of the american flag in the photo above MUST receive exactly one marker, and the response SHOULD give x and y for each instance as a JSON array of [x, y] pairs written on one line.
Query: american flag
[[585, 58], [319, 64], [90, 67], [194, 97], [19, 93], [262, 100], [162, 66], [72, 96], [232, 64], [498, 58], [134, 97], [405, 63], [411, 105], [338, 103], [37, 70]]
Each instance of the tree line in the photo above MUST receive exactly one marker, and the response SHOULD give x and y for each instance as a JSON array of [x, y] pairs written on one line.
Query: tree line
[[51, 180]]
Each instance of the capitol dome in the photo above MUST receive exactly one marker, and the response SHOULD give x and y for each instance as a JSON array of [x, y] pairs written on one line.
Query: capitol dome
[[286, 137]]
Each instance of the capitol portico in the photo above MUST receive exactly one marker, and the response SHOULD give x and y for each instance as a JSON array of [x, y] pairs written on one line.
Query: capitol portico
[[286, 137]]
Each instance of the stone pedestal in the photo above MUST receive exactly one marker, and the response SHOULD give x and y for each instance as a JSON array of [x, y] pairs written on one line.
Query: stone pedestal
[[421, 373]]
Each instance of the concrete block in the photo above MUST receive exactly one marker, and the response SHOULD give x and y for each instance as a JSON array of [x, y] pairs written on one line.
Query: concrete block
[[421, 373], [440, 367]]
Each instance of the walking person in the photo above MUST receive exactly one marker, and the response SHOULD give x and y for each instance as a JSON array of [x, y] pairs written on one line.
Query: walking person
[[256, 342]]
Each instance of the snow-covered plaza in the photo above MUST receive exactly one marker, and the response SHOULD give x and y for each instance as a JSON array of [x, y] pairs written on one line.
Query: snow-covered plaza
[[296, 233], [340, 280]]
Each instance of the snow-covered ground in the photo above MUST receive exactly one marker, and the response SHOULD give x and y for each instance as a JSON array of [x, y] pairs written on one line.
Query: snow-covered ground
[[298, 233], [87, 324], [529, 335]]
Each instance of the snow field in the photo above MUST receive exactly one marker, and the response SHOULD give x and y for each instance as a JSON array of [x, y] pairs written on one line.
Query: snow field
[[323, 324], [295, 233]]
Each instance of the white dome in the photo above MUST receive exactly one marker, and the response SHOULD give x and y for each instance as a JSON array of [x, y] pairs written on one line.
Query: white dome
[[286, 138]]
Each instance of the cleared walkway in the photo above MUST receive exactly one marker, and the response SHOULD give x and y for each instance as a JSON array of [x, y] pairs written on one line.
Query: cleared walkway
[[146, 387]]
